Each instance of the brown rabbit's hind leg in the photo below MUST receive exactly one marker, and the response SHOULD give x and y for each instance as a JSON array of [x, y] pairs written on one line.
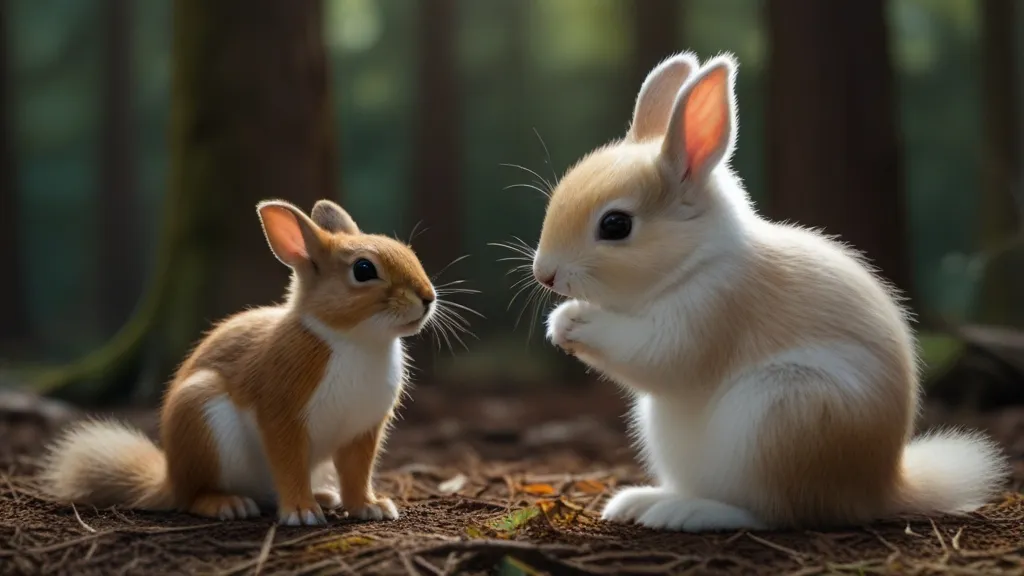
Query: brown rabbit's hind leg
[[193, 459], [326, 488], [327, 498], [224, 506]]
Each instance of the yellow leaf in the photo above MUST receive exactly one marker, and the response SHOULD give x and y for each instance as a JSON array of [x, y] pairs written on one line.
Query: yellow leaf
[[538, 489], [589, 486]]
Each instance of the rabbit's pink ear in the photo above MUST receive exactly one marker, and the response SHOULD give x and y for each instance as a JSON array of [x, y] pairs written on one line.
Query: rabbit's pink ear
[[702, 128], [289, 232], [658, 94]]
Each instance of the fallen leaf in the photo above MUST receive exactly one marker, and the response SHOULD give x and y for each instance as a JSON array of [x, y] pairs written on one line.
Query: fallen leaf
[[515, 520], [453, 484], [560, 511], [510, 566], [589, 486], [537, 489]]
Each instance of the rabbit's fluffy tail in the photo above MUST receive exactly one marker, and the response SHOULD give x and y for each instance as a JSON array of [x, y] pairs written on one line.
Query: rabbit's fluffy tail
[[106, 463], [950, 472]]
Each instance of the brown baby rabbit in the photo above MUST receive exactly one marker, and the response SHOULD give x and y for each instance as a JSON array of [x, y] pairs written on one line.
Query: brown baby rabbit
[[274, 400]]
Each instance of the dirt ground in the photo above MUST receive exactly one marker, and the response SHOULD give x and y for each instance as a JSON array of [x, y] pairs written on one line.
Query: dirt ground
[[490, 486]]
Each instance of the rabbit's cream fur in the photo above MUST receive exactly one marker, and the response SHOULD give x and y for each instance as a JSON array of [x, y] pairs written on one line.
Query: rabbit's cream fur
[[774, 374]]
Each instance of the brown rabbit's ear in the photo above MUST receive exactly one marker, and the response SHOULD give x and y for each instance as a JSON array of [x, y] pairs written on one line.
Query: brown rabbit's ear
[[291, 234], [702, 129], [658, 94], [333, 218]]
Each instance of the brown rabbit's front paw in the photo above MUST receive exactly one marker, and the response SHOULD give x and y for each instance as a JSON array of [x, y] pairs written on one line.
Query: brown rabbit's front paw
[[382, 509], [307, 514]]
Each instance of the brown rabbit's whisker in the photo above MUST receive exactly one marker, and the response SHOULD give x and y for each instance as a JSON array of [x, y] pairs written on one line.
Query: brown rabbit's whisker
[[450, 324], [441, 327], [449, 291], [448, 285], [437, 328], [449, 265], [413, 234], [448, 305], [456, 316]]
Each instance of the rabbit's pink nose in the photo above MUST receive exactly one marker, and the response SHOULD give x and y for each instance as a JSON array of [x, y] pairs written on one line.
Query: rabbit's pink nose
[[548, 281]]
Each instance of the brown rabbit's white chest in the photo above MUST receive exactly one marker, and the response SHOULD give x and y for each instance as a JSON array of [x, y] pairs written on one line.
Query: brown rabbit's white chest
[[361, 384]]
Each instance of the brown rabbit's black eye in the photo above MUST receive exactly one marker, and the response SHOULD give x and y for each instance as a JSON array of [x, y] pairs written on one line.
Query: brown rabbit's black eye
[[364, 270], [615, 225]]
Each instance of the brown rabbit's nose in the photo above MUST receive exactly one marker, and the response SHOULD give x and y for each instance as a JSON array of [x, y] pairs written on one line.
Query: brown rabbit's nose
[[427, 302]]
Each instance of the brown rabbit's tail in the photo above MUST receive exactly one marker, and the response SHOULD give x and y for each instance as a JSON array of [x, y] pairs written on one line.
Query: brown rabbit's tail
[[106, 463]]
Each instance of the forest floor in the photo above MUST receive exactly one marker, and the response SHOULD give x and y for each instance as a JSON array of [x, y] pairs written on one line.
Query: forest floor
[[489, 485]]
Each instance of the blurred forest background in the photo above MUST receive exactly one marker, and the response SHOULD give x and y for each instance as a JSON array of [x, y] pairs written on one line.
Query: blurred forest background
[[138, 136]]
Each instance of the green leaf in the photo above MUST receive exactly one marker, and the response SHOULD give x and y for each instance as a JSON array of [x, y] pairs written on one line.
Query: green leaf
[[510, 566]]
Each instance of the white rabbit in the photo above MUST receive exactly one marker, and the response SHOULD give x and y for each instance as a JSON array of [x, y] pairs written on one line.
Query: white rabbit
[[774, 374]]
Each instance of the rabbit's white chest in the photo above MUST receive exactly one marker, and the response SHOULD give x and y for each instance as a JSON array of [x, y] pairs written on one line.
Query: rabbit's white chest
[[359, 386]]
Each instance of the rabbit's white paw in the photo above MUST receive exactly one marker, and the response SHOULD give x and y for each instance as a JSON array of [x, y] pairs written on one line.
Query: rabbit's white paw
[[696, 515], [629, 504], [382, 509], [566, 323]]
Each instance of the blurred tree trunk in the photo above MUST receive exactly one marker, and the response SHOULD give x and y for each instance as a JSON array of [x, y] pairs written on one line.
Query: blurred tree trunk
[[120, 255], [260, 86], [437, 199], [1001, 170], [655, 37], [251, 118], [13, 307], [833, 150]]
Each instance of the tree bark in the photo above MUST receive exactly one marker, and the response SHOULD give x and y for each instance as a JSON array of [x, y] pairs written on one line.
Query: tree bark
[[120, 254], [655, 38], [1000, 216], [833, 151], [250, 119], [13, 310], [255, 122], [437, 176], [436, 172]]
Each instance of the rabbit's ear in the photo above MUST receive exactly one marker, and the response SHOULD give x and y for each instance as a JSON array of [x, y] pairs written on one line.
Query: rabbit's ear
[[291, 234], [657, 94], [333, 218], [702, 129]]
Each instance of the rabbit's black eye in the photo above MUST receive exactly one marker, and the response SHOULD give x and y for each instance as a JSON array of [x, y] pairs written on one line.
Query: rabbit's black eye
[[615, 225], [364, 270]]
